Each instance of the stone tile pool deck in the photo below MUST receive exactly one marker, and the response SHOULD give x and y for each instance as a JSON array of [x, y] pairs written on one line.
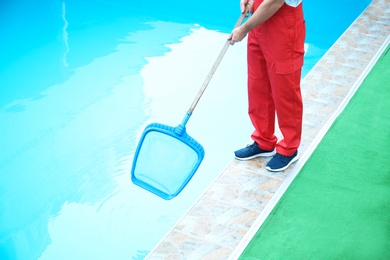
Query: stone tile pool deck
[[225, 218]]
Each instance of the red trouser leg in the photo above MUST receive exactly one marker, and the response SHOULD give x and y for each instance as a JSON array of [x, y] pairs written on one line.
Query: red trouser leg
[[260, 99], [275, 58]]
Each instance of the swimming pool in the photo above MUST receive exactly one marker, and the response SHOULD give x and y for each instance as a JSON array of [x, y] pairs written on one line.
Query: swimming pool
[[79, 81]]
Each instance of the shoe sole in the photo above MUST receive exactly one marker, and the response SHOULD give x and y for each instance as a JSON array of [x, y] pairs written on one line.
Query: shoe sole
[[285, 167], [255, 156]]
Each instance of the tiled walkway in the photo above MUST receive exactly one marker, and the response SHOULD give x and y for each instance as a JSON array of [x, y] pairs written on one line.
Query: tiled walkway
[[223, 221]]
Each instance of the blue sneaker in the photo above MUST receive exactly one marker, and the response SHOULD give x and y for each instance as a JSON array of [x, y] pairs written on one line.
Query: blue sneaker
[[252, 151], [280, 162]]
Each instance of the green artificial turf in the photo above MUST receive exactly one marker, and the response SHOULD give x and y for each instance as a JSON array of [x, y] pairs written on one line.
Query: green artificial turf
[[338, 206]]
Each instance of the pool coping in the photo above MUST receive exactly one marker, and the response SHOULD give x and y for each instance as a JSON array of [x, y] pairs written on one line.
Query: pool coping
[[224, 219]]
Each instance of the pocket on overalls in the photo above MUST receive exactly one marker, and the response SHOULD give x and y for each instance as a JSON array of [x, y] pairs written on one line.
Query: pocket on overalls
[[289, 66], [296, 30]]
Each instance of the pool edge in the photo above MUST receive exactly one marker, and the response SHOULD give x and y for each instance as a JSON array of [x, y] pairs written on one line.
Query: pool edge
[[248, 218]]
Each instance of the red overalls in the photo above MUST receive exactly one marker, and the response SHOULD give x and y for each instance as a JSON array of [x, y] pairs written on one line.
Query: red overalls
[[275, 58]]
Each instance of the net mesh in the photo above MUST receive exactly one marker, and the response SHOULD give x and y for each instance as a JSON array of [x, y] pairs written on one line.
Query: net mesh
[[165, 162]]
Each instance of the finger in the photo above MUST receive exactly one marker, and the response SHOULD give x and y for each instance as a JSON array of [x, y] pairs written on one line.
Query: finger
[[243, 5], [250, 6]]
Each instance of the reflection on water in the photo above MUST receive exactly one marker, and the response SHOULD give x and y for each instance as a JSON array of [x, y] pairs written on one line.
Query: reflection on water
[[66, 147], [78, 83], [65, 34]]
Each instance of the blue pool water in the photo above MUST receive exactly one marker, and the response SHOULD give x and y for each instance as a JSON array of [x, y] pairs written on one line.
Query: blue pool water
[[79, 80]]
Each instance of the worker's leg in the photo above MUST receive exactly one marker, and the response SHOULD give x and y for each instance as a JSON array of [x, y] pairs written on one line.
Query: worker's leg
[[261, 108]]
